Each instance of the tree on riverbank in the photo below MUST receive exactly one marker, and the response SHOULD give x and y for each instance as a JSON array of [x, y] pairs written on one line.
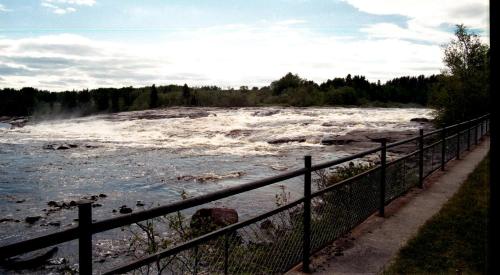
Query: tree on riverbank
[[463, 90]]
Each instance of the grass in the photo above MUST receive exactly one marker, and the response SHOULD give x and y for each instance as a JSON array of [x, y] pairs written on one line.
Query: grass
[[454, 240]]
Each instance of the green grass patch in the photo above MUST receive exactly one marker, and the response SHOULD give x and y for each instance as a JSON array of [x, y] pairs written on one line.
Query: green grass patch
[[454, 240]]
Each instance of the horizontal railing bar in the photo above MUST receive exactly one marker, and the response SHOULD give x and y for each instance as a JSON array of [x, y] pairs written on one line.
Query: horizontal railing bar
[[198, 240], [188, 203], [38, 243], [432, 144], [344, 159], [402, 158], [343, 182], [390, 145]]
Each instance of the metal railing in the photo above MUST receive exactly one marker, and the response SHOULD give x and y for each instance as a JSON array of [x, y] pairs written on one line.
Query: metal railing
[[293, 231]]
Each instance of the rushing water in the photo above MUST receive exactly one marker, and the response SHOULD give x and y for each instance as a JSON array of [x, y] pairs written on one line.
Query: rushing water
[[155, 156]]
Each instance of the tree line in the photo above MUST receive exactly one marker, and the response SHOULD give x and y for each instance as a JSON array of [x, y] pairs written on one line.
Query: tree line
[[290, 90]]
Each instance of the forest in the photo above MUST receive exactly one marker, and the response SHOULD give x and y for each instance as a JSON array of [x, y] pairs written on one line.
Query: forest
[[290, 90]]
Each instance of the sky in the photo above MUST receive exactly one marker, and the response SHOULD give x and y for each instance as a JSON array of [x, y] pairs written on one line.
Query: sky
[[77, 44]]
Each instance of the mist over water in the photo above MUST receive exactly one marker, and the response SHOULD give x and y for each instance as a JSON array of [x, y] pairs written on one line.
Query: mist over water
[[154, 156]]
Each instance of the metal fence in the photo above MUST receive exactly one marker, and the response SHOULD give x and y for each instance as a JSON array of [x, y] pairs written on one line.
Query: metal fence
[[277, 240]]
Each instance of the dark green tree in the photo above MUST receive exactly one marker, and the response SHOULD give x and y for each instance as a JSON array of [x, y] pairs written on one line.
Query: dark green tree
[[186, 95], [463, 92], [153, 97]]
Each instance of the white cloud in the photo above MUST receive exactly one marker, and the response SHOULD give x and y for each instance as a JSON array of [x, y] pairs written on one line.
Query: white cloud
[[65, 6], [232, 55], [431, 13], [4, 9], [425, 17]]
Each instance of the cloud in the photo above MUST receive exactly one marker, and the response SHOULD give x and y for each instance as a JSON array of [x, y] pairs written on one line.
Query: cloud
[[230, 55], [65, 6], [4, 9], [431, 13]]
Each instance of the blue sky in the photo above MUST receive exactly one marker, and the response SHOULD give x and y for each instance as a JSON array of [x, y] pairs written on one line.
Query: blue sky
[[74, 44]]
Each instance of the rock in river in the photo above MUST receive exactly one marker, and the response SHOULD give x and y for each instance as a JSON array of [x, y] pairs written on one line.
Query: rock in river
[[209, 219], [287, 140]]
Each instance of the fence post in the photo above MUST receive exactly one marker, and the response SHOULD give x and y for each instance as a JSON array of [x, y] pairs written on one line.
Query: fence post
[[306, 245], [421, 159], [475, 134], [383, 163], [482, 127], [443, 148], [458, 143], [468, 136], [85, 237]]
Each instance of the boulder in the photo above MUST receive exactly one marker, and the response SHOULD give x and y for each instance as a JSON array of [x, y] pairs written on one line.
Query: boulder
[[287, 140], [266, 113], [420, 119], [63, 147], [34, 260], [338, 140], [125, 210], [32, 219], [209, 219]]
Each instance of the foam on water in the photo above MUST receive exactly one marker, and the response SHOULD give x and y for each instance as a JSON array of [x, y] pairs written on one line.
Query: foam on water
[[210, 134]]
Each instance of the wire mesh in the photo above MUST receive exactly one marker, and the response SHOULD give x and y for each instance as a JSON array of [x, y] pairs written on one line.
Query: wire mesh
[[451, 148], [267, 246], [337, 211]]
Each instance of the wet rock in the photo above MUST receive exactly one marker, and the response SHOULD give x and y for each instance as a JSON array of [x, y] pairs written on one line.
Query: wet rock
[[19, 123], [102, 195], [339, 140], [94, 205], [2, 220], [327, 124], [32, 219], [49, 146], [208, 219], [90, 146], [265, 113], [28, 262], [62, 147], [20, 201], [139, 203], [420, 119], [287, 140], [279, 168], [125, 210], [56, 223], [211, 177], [238, 133]]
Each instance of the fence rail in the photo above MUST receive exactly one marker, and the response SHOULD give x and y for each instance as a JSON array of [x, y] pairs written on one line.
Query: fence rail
[[295, 230]]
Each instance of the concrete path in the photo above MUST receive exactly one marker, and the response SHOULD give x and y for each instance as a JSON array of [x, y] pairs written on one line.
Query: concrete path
[[374, 244]]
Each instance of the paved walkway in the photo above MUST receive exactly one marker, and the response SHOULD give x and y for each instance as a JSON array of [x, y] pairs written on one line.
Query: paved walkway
[[374, 244]]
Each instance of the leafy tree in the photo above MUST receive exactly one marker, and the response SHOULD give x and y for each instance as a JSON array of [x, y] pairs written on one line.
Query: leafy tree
[[287, 82], [464, 88]]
